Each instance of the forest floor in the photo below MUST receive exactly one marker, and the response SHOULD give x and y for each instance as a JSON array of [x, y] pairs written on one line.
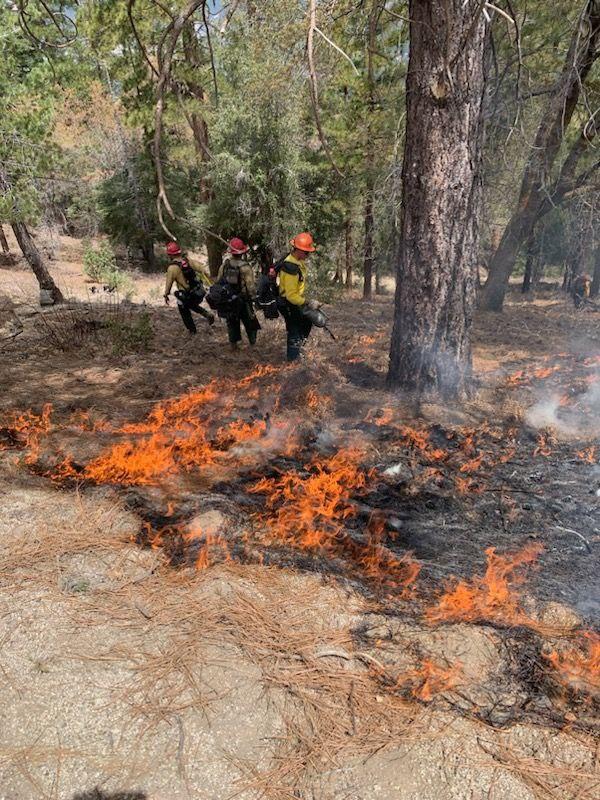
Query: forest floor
[[222, 576]]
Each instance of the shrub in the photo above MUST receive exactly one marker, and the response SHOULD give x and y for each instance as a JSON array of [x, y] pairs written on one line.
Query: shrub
[[100, 265], [99, 262], [132, 335]]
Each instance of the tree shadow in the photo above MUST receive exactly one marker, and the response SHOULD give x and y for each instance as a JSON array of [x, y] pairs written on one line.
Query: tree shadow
[[97, 794]]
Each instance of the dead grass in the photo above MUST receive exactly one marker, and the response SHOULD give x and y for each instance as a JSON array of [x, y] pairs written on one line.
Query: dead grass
[[93, 527]]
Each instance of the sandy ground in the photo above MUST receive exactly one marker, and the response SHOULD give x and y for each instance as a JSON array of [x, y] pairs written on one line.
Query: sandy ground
[[120, 672]]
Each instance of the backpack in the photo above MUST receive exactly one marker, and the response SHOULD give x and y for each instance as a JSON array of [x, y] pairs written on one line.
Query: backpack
[[223, 299], [266, 297], [231, 275], [193, 280]]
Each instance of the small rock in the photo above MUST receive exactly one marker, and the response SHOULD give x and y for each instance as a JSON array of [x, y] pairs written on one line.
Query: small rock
[[208, 523], [557, 615]]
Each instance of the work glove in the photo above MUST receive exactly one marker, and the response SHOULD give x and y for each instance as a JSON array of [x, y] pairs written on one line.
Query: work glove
[[313, 304]]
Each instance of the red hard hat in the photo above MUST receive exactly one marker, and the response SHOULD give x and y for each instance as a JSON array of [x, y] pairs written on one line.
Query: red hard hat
[[173, 249], [304, 241], [237, 246]]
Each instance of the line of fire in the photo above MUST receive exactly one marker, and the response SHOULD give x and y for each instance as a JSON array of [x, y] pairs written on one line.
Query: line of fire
[[486, 529]]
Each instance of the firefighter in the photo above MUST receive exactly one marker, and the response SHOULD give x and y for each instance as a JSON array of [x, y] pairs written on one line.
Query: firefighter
[[190, 279], [581, 290], [292, 285], [236, 274]]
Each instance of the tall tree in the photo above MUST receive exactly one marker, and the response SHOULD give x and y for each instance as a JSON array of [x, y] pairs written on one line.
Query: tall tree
[[539, 191], [435, 287]]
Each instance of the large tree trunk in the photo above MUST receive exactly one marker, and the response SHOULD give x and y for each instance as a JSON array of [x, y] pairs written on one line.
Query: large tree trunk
[[35, 260], [4, 241], [441, 205], [349, 253], [535, 193], [215, 249]]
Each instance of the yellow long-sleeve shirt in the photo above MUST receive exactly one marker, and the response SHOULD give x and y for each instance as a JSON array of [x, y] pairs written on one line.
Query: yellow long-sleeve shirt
[[292, 280], [175, 275]]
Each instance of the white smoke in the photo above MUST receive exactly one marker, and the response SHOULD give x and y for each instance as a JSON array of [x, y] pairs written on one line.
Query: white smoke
[[581, 419]]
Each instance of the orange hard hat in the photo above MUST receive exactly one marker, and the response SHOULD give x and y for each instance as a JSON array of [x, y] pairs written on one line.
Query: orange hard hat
[[304, 241]]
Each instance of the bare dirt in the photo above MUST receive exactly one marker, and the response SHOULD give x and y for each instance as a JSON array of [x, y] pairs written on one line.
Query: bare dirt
[[155, 639]]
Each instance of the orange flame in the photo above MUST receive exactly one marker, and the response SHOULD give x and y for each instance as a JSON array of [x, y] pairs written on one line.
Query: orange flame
[[545, 442], [492, 597], [579, 667], [430, 680], [174, 437], [588, 455], [308, 510], [383, 566], [27, 430]]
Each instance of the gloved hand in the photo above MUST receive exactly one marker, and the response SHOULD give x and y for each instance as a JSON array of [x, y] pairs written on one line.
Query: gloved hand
[[313, 304]]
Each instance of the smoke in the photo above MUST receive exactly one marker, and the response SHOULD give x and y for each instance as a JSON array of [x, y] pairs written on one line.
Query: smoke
[[569, 416]]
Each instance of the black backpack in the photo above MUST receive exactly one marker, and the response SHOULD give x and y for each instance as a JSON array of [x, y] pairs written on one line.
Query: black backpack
[[193, 280], [223, 299], [266, 297]]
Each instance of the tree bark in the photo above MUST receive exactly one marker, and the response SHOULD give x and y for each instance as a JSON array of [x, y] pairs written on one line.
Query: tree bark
[[533, 249], [29, 249], [196, 121], [148, 255], [368, 251], [535, 189], [349, 253], [374, 15], [35, 260], [4, 241], [595, 289], [441, 205], [215, 249]]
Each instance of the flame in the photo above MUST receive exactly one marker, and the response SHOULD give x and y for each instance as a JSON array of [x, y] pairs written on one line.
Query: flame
[[175, 437], [27, 431], [579, 667], [318, 403], [524, 376], [588, 455], [473, 465], [492, 597], [384, 567], [545, 442], [381, 416], [239, 431], [430, 680], [307, 511], [213, 549]]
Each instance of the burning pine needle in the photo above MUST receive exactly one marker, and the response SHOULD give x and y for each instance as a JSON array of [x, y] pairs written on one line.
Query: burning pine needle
[[493, 597]]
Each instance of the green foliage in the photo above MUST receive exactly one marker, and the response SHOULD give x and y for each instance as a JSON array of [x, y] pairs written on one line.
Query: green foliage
[[100, 265], [126, 203], [130, 335], [98, 262], [322, 287]]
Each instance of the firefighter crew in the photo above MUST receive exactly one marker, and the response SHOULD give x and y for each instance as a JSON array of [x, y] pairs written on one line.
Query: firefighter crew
[[292, 286], [236, 273], [191, 280]]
